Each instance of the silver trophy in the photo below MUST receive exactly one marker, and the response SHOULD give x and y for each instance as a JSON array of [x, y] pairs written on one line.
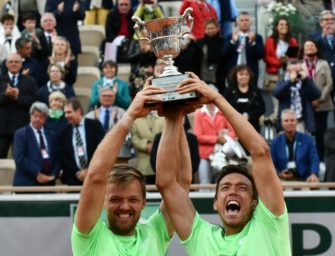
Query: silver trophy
[[164, 35]]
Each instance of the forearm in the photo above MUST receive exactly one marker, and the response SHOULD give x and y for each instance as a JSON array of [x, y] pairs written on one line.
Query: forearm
[[167, 170], [185, 172]]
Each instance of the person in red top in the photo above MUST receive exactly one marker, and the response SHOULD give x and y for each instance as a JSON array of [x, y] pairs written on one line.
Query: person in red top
[[202, 11], [210, 127], [276, 47]]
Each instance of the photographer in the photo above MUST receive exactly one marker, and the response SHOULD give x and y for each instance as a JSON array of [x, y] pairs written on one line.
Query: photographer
[[297, 91], [294, 153]]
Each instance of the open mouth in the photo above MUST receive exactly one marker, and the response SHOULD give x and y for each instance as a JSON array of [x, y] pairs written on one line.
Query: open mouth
[[124, 216], [233, 207]]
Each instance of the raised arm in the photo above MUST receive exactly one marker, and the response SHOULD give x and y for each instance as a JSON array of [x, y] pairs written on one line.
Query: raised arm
[[172, 178], [268, 184], [93, 191]]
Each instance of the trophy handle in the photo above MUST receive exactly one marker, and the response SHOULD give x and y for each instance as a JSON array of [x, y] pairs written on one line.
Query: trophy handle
[[187, 15], [137, 27]]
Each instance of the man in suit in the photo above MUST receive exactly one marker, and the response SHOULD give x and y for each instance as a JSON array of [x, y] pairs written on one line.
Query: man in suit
[[243, 46], [67, 14], [36, 151], [79, 142], [294, 153], [17, 93], [109, 115]]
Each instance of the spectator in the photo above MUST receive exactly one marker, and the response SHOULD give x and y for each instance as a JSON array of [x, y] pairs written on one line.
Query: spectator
[[48, 24], [244, 96], [325, 40], [297, 91], [119, 29], [243, 46], [109, 115], [79, 141], [275, 56], [55, 83], [30, 66], [17, 93], [67, 14], [110, 79], [96, 11], [294, 153], [142, 63], [202, 11], [56, 121], [39, 43], [143, 132], [36, 152], [192, 145], [319, 71], [210, 127], [61, 53], [227, 12], [148, 11], [27, 7], [211, 64], [9, 33]]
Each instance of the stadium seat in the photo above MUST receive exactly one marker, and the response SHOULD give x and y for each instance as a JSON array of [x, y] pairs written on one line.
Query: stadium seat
[[89, 56], [86, 76], [7, 170], [91, 35]]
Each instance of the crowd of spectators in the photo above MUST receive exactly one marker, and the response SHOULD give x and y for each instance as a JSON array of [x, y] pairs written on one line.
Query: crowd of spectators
[[53, 137]]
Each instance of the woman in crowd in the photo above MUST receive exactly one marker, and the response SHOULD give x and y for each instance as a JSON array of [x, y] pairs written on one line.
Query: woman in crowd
[[56, 121], [55, 83], [210, 127], [109, 78], [319, 71], [276, 52], [61, 54], [245, 97]]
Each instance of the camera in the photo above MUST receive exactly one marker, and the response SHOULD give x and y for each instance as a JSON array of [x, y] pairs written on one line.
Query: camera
[[298, 76]]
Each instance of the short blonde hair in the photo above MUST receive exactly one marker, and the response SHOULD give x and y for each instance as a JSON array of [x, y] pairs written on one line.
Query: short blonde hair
[[57, 95]]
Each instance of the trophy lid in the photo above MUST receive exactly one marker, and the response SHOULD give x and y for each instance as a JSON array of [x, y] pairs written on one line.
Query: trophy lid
[[157, 25]]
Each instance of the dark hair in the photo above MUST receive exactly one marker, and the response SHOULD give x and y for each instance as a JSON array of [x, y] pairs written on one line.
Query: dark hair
[[75, 104], [28, 16], [212, 21], [302, 50], [7, 16], [275, 34], [239, 68], [125, 174], [228, 169], [19, 43], [110, 63]]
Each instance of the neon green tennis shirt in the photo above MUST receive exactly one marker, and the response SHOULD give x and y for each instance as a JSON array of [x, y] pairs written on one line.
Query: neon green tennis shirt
[[151, 238], [265, 234]]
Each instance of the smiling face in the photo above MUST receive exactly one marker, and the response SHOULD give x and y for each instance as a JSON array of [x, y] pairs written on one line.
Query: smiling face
[[109, 71], [243, 77], [282, 27], [310, 48], [124, 203], [234, 202]]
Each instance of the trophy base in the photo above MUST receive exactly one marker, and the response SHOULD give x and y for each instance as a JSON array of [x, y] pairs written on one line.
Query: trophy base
[[169, 83]]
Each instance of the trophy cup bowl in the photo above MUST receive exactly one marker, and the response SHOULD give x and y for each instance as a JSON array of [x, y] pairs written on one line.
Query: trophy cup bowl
[[164, 36]]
